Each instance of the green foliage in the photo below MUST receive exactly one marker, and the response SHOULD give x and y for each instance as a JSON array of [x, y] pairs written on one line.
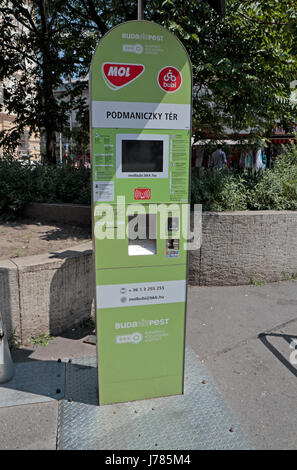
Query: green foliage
[[289, 276], [37, 56], [42, 340], [277, 189], [243, 64], [65, 184], [271, 189], [16, 188], [256, 281], [23, 183], [216, 190], [220, 190]]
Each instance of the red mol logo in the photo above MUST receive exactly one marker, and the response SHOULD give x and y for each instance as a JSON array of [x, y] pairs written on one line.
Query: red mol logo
[[169, 79], [143, 193], [118, 75]]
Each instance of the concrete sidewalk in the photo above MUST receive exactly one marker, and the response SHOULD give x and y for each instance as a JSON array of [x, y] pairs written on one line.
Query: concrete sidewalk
[[242, 336]]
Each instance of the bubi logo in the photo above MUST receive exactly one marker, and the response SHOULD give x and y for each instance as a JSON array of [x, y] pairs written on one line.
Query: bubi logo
[[169, 79], [118, 75]]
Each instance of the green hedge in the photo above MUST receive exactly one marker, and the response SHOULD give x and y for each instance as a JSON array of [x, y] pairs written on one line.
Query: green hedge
[[277, 188], [221, 190], [271, 189], [24, 183]]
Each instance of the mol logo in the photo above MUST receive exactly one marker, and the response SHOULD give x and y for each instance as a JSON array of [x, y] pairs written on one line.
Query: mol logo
[[118, 75]]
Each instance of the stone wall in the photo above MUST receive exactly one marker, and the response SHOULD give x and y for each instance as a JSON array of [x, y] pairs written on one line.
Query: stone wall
[[53, 292], [60, 213], [244, 247], [46, 293]]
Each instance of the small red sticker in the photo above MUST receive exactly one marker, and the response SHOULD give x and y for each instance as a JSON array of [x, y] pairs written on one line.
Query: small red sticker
[[142, 193], [118, 75], [169, 79]]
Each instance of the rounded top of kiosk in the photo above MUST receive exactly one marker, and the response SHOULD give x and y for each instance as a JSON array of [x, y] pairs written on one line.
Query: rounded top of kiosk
[[141, 61]]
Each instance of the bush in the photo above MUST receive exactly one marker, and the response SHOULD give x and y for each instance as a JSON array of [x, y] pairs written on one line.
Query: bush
[[22, 183], [277, 189], [16, 188], [220, 190], [65, 184], [271, 189]]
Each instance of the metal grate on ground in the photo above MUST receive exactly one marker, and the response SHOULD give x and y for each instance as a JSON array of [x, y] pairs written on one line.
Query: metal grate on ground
[[34, 382], [199, 419]]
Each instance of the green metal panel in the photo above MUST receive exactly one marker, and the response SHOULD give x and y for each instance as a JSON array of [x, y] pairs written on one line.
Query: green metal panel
[[140, 100]]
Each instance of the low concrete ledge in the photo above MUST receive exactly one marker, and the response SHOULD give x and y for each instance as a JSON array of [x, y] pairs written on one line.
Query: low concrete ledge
[[55, 291], [61, 213], [236, 246], [47, 293], [9, 298]]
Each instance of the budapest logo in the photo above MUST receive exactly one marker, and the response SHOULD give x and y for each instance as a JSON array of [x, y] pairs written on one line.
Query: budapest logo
[[142, 193], [169, 79], [117, 76]]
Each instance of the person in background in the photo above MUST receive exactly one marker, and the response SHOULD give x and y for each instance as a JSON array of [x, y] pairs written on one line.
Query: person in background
[[198, 159], [218, 158]]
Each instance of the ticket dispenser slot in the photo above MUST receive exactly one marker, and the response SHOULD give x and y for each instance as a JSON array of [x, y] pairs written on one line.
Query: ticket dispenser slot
[[142, 233]]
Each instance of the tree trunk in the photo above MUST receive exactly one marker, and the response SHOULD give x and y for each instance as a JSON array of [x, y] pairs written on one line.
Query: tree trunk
[[51, 158], [48, 87]]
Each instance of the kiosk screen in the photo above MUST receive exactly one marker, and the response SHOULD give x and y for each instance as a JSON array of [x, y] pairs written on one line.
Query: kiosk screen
[[142, 155]]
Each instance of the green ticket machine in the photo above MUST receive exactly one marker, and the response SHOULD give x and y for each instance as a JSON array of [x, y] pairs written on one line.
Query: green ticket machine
[[140, 105]]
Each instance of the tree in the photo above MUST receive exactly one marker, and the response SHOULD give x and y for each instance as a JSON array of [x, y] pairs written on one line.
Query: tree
[[33, 43], [243, 64]]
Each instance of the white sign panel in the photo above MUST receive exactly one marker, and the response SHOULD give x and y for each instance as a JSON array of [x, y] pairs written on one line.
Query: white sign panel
[[130, 115], [141, 293]]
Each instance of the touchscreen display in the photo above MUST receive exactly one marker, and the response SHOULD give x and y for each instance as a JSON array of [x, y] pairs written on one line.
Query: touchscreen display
[[142, 156]]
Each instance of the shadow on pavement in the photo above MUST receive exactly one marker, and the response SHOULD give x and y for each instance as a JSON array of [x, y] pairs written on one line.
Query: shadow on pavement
[[290, 339], [43, 380]]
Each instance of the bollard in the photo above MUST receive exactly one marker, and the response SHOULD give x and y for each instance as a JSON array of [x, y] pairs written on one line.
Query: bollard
[[6, 364]]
